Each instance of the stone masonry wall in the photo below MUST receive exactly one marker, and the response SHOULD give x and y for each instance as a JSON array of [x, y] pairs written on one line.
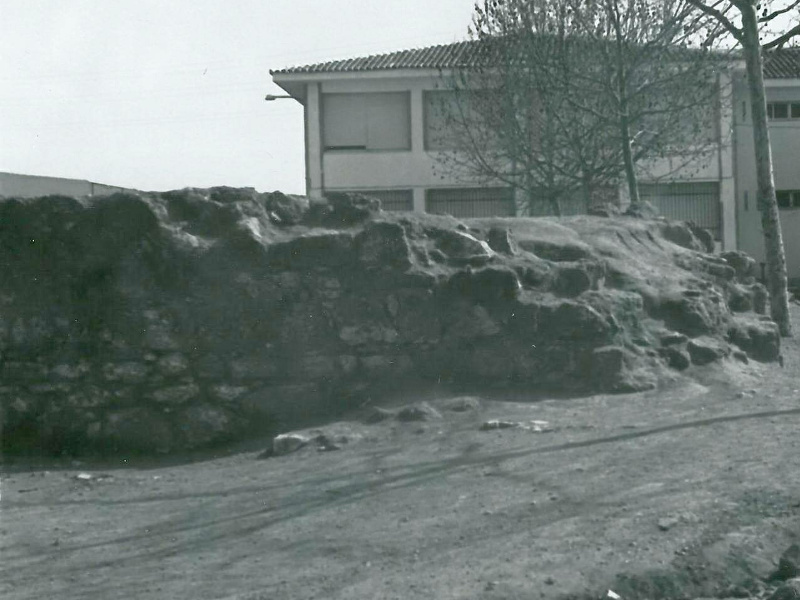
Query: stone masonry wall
[[175, 321]]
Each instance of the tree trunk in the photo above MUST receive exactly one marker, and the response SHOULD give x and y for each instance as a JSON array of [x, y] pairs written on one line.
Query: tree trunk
[[613, 12], [627, 157], [767, 203], [553, 197], [586, 192], [555, 206]]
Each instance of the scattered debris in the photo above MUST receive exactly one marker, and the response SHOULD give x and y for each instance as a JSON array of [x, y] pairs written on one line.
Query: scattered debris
[[329, 443], [327, 439], [87, 477], [463, 404], [667, 523], [286, 443], [418, 412], [538, 427], [497, 424], [534, 426], [378, 415]]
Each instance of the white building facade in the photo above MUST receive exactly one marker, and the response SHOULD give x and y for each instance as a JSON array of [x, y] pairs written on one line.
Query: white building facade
[[32, 186], [782, 82], [370, 127]]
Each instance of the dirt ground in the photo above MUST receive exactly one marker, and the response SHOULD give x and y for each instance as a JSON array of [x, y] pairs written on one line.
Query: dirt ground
[[688, 491]]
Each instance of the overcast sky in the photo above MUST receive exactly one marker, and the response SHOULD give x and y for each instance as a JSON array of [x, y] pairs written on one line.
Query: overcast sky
[[157, 95]]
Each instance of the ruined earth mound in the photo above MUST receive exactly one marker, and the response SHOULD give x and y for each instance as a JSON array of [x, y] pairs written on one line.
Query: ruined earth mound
[[173, 321]]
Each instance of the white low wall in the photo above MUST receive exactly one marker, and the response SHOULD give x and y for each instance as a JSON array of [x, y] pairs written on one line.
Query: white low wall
[[32, 186]]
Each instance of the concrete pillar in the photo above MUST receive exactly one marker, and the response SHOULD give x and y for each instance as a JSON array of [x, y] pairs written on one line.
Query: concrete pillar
[[727, 181], [417, 122], [418, 140], [315, 178], [727, 195], [419, 199]]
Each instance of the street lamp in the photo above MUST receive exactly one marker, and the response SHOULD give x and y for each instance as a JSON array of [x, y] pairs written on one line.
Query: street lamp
[[272, 97]]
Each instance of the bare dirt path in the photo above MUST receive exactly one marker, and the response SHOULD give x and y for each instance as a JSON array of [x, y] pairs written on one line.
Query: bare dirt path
[[685, 491]]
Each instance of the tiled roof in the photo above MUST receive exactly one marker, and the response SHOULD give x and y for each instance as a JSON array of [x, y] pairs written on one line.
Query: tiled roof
[[782, 64], [778, 64], [458, 54]]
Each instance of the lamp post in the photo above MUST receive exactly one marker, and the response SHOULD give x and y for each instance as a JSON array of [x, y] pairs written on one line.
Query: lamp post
[[273, 97]]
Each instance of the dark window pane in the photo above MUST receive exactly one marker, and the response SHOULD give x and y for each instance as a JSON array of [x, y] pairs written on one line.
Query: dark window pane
[[393, 200], [784, 198], [780, 110], [796, 110], [471, 202], [686, 201], [379, 121]]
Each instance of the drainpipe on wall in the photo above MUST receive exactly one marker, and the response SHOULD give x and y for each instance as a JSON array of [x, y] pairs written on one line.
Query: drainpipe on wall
[[720, 172], [306, 149], [321, 135], [735, 164]]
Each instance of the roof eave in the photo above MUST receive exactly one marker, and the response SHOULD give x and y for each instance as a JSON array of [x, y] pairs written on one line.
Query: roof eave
[[282, 79], [781, 81], [296, 90]]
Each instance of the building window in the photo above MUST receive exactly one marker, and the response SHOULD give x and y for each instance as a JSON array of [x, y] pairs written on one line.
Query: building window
[[783, 110], [788, 199], [379, 121], [391, 200], [441, 114], [470, 202], [455, 120], [539, 203], [686, 201]]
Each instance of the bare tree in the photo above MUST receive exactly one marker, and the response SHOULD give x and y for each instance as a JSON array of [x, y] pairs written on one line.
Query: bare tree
[[507, 118], [570, 96], [654, 65], [748, 22]]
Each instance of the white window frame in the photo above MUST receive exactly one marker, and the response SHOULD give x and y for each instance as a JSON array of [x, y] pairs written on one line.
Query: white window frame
[[364, 117], [794, 199], [792, 110]]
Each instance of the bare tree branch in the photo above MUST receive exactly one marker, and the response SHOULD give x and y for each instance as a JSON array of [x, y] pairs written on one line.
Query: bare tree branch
[[719, 16], [780, 41], [777, 13]]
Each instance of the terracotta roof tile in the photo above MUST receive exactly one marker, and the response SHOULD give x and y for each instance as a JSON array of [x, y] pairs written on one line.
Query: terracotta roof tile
[[782, 64], [459, 54], [778, 64]]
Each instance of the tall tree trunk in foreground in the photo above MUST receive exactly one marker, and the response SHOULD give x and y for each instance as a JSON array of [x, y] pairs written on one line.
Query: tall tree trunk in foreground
[[627, 157], [767, 203], [756, 17]]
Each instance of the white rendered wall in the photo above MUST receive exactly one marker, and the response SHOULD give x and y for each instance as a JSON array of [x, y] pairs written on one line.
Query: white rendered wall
[[415, 169], [785, 144], [32, 186], [418, 169]]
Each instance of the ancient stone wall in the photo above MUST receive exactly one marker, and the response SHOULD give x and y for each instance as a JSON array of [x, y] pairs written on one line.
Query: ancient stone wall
[[174, 321]]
